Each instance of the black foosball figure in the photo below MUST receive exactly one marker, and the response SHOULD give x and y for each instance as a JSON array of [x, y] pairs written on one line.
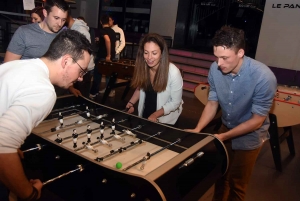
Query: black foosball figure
[[58, 139], [61, 119], [75, 136], [113, 126], [101, 136], [88, 133]]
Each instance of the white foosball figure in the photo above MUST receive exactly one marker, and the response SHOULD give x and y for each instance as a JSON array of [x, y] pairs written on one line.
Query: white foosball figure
[[88, 114], [113, 126], [89, 133], [147, 157], [128, 132], [79, 122], [102, 128], [103, 141], [90, 147], [143, 165], [61, 119], [75, 136], [101, 116], [118, 137], [58, 139], [55, 129]]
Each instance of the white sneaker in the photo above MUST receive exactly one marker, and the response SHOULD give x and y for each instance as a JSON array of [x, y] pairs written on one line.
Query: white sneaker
[[112, 93], [102, 91], [92, 96]]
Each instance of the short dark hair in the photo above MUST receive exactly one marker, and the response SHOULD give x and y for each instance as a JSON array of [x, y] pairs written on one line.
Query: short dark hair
[[104, 19], [61, 4], [68, 42], [229, 37], [39, 11]]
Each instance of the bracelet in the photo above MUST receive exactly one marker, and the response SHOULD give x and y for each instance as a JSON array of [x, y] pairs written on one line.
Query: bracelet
[[33, 196], [131, 103]]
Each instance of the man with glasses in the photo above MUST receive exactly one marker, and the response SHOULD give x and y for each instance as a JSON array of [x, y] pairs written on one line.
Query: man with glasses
[[82, 72], [27, 96]]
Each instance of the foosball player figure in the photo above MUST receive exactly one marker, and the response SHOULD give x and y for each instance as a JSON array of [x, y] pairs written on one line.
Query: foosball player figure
[[58, 139], [61, 119], [75, 136], [102, 128], [128, 132], [88, 114], [88, 133], [113, 126], [103, 141], [90, 147]]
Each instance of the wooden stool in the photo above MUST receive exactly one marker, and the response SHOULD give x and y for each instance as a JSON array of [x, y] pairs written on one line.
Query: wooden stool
[[276, 139], [285, 113]]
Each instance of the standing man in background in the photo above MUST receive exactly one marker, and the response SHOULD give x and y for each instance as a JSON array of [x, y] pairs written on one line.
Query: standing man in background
[[33, 40], [106, 52], [84, 86], [120, 37]]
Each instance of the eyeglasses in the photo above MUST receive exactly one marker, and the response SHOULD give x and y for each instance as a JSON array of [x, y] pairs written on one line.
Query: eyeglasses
[[82, 72]]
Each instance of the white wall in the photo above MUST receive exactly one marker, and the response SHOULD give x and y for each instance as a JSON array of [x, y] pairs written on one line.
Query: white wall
[[279, 40], [163, 17]]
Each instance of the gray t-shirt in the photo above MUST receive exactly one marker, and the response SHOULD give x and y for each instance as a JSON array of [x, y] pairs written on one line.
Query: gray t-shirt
[[30, 41]]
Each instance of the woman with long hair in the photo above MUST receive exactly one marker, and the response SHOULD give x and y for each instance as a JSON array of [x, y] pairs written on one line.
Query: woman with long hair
[[158, 82]]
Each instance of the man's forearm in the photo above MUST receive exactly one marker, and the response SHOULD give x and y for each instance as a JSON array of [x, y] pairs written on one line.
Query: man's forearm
[[251, 125], [207, 115], [12, 175]]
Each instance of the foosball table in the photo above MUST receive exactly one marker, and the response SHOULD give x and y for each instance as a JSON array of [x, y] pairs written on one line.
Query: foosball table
[[120, 74], [87, 151]]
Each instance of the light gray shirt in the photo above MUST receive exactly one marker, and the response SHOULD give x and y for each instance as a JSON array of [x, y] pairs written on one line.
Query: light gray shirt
[[30, 41]]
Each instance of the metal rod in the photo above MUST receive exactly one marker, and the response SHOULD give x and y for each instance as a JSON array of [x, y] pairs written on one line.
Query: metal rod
[[78, 122], [80, 169], [148, 156], [79, 134], [121, 149], [64, 108], [38, 146]]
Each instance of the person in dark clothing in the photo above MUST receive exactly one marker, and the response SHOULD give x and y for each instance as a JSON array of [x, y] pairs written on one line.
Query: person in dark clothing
[[106, 52]]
